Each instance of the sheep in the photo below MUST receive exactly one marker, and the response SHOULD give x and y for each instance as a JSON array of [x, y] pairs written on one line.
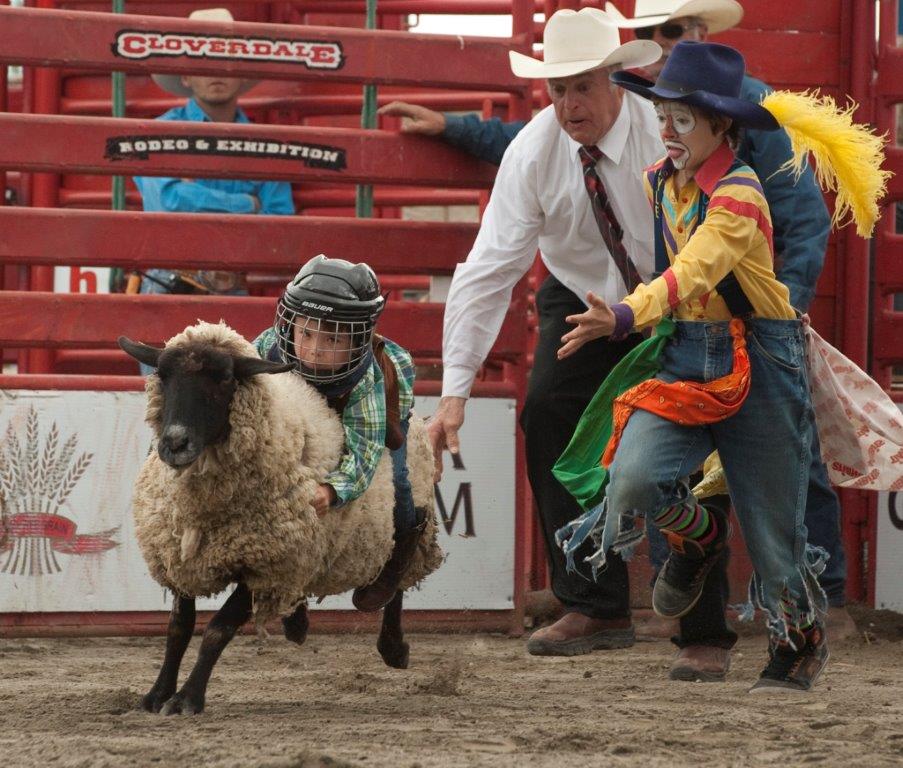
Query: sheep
[[241, 447]]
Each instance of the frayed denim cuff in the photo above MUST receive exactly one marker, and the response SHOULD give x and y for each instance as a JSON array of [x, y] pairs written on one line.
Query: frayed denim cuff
[[623, 321]]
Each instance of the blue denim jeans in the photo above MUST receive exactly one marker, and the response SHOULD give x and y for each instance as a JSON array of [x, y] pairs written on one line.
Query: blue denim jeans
[[764, 447], [404, 515]]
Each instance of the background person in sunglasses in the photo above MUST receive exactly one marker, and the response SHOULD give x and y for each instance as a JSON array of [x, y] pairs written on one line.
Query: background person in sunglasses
[[801, 226]]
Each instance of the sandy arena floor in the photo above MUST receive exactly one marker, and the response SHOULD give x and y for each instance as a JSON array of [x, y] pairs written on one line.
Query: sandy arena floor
[[466, 701]]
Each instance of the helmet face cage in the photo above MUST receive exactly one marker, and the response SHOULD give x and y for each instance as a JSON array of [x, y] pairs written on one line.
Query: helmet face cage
[[335, 349]]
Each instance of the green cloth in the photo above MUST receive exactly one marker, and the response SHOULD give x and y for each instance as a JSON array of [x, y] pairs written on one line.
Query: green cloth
[[578, 469]]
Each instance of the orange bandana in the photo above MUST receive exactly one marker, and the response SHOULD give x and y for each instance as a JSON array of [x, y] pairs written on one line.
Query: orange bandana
[[686, 402]]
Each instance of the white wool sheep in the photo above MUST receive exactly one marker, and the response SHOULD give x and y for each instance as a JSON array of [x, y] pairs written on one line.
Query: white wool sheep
[[242, 510]]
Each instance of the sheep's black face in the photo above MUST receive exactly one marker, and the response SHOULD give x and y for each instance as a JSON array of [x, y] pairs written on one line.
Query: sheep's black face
[[198, 386], [198, 382]]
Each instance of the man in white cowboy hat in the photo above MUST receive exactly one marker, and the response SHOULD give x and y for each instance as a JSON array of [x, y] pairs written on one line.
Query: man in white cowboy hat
[[211, 99], [571, 185], [801, 225]]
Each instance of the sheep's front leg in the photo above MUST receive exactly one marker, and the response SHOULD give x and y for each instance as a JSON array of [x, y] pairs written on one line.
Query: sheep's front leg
[[391, 644], [178, 636], [220, 631]]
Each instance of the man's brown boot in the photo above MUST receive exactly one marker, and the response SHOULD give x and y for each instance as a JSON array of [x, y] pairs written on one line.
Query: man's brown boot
[[706, 663], [379, 592], [575, 634]]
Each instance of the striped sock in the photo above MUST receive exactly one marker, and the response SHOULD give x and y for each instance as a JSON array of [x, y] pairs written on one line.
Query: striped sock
[[806, 621], [688, 521]]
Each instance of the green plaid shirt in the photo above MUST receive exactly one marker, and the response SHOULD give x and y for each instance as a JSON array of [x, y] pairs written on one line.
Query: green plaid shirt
[[364, 418]]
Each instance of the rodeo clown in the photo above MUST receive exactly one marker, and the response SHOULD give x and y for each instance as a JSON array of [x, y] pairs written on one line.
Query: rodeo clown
[[324, 326], [727, 370]]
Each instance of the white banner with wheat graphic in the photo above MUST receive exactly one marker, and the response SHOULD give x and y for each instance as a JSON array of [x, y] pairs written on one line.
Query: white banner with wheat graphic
[[68, 462]]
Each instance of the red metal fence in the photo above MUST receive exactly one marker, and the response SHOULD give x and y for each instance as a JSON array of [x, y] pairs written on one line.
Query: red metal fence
[[50, 149], [56, 159]]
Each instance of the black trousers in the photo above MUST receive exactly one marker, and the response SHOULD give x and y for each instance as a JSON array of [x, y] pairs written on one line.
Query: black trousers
[[557, 395]]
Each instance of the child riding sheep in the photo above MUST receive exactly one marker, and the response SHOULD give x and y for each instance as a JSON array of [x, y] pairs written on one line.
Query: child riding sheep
[[324, 326]]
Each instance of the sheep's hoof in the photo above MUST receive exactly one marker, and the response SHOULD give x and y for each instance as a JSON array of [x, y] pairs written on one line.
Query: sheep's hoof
[[183, 704], [395, 653], [153, 700], [295, 626]]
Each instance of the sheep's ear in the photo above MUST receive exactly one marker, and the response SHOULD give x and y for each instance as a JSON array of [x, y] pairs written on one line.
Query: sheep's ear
[[246, 367], [141, 352]]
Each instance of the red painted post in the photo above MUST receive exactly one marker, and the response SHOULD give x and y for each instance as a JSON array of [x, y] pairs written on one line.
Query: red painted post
[[853, 309], [45, 188]]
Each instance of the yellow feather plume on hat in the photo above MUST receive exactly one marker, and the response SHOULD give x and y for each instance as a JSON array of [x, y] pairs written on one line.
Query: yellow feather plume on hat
[[848, 155]]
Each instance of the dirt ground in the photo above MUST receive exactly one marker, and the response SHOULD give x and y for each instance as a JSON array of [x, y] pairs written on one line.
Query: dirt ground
[[468, 700]]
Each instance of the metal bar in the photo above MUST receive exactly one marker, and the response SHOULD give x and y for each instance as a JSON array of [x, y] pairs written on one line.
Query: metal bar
[[47, 236], [388, 7], [117, 88], [44, 192], [308, 197], [94, 145], [289, 96], [106, 383], [364, 200], [55, 38], [66, 320], [155, 623]]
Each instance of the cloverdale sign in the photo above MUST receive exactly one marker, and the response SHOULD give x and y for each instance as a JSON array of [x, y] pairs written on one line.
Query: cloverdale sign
[[143, 44]]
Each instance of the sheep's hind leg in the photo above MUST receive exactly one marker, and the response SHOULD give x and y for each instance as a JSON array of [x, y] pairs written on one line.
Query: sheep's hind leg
[[391, 644], [220, 631], [178, 636], [295, 626]]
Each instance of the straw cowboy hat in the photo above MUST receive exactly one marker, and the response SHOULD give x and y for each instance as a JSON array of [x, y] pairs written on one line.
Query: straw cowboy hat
[[578, 41], [173, 83], [718, 15], [707, 75]]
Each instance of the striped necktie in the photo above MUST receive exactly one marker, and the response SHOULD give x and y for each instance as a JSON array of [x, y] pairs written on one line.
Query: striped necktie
[[611, 231]]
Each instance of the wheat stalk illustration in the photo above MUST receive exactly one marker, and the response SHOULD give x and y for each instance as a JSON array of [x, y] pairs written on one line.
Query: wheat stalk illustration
[[15, 464], [37, 481], [32, 456], [48, 459], [72, 476], [55, 476]]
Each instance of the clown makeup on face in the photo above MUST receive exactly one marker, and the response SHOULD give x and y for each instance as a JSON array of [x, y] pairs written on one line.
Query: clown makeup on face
[[688, 134]]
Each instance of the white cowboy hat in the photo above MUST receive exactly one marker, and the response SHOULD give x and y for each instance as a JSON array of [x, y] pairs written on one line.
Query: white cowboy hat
[[578, 41], [718, 15], [173, 83]]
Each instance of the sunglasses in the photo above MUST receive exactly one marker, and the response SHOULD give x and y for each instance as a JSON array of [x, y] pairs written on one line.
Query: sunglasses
[[670, 30]]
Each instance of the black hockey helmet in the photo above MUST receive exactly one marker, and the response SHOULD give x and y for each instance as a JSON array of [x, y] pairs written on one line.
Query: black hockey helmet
[[335, 298]]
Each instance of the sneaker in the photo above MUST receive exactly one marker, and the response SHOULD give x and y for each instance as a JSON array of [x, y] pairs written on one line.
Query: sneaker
[[679, 585], [794, 670]]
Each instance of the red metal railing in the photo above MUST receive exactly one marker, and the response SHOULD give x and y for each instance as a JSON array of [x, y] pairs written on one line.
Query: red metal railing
[[50, 143]]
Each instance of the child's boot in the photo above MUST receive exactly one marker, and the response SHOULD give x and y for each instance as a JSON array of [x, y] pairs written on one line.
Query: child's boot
[[379, 592]]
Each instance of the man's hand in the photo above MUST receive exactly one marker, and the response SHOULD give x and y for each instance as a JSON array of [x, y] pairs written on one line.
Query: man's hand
[[416, 119], [596, 322], [323, 499], [443, 430]]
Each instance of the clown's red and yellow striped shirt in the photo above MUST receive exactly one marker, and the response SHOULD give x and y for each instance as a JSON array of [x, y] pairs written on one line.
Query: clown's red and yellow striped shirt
[[735, 235]]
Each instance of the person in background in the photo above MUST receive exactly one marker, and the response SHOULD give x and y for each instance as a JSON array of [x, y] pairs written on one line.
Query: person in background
[[211, 99], [801, 227], [571, 185]]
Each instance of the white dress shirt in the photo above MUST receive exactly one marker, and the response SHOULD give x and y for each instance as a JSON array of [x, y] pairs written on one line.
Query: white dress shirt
[[539, 199]]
